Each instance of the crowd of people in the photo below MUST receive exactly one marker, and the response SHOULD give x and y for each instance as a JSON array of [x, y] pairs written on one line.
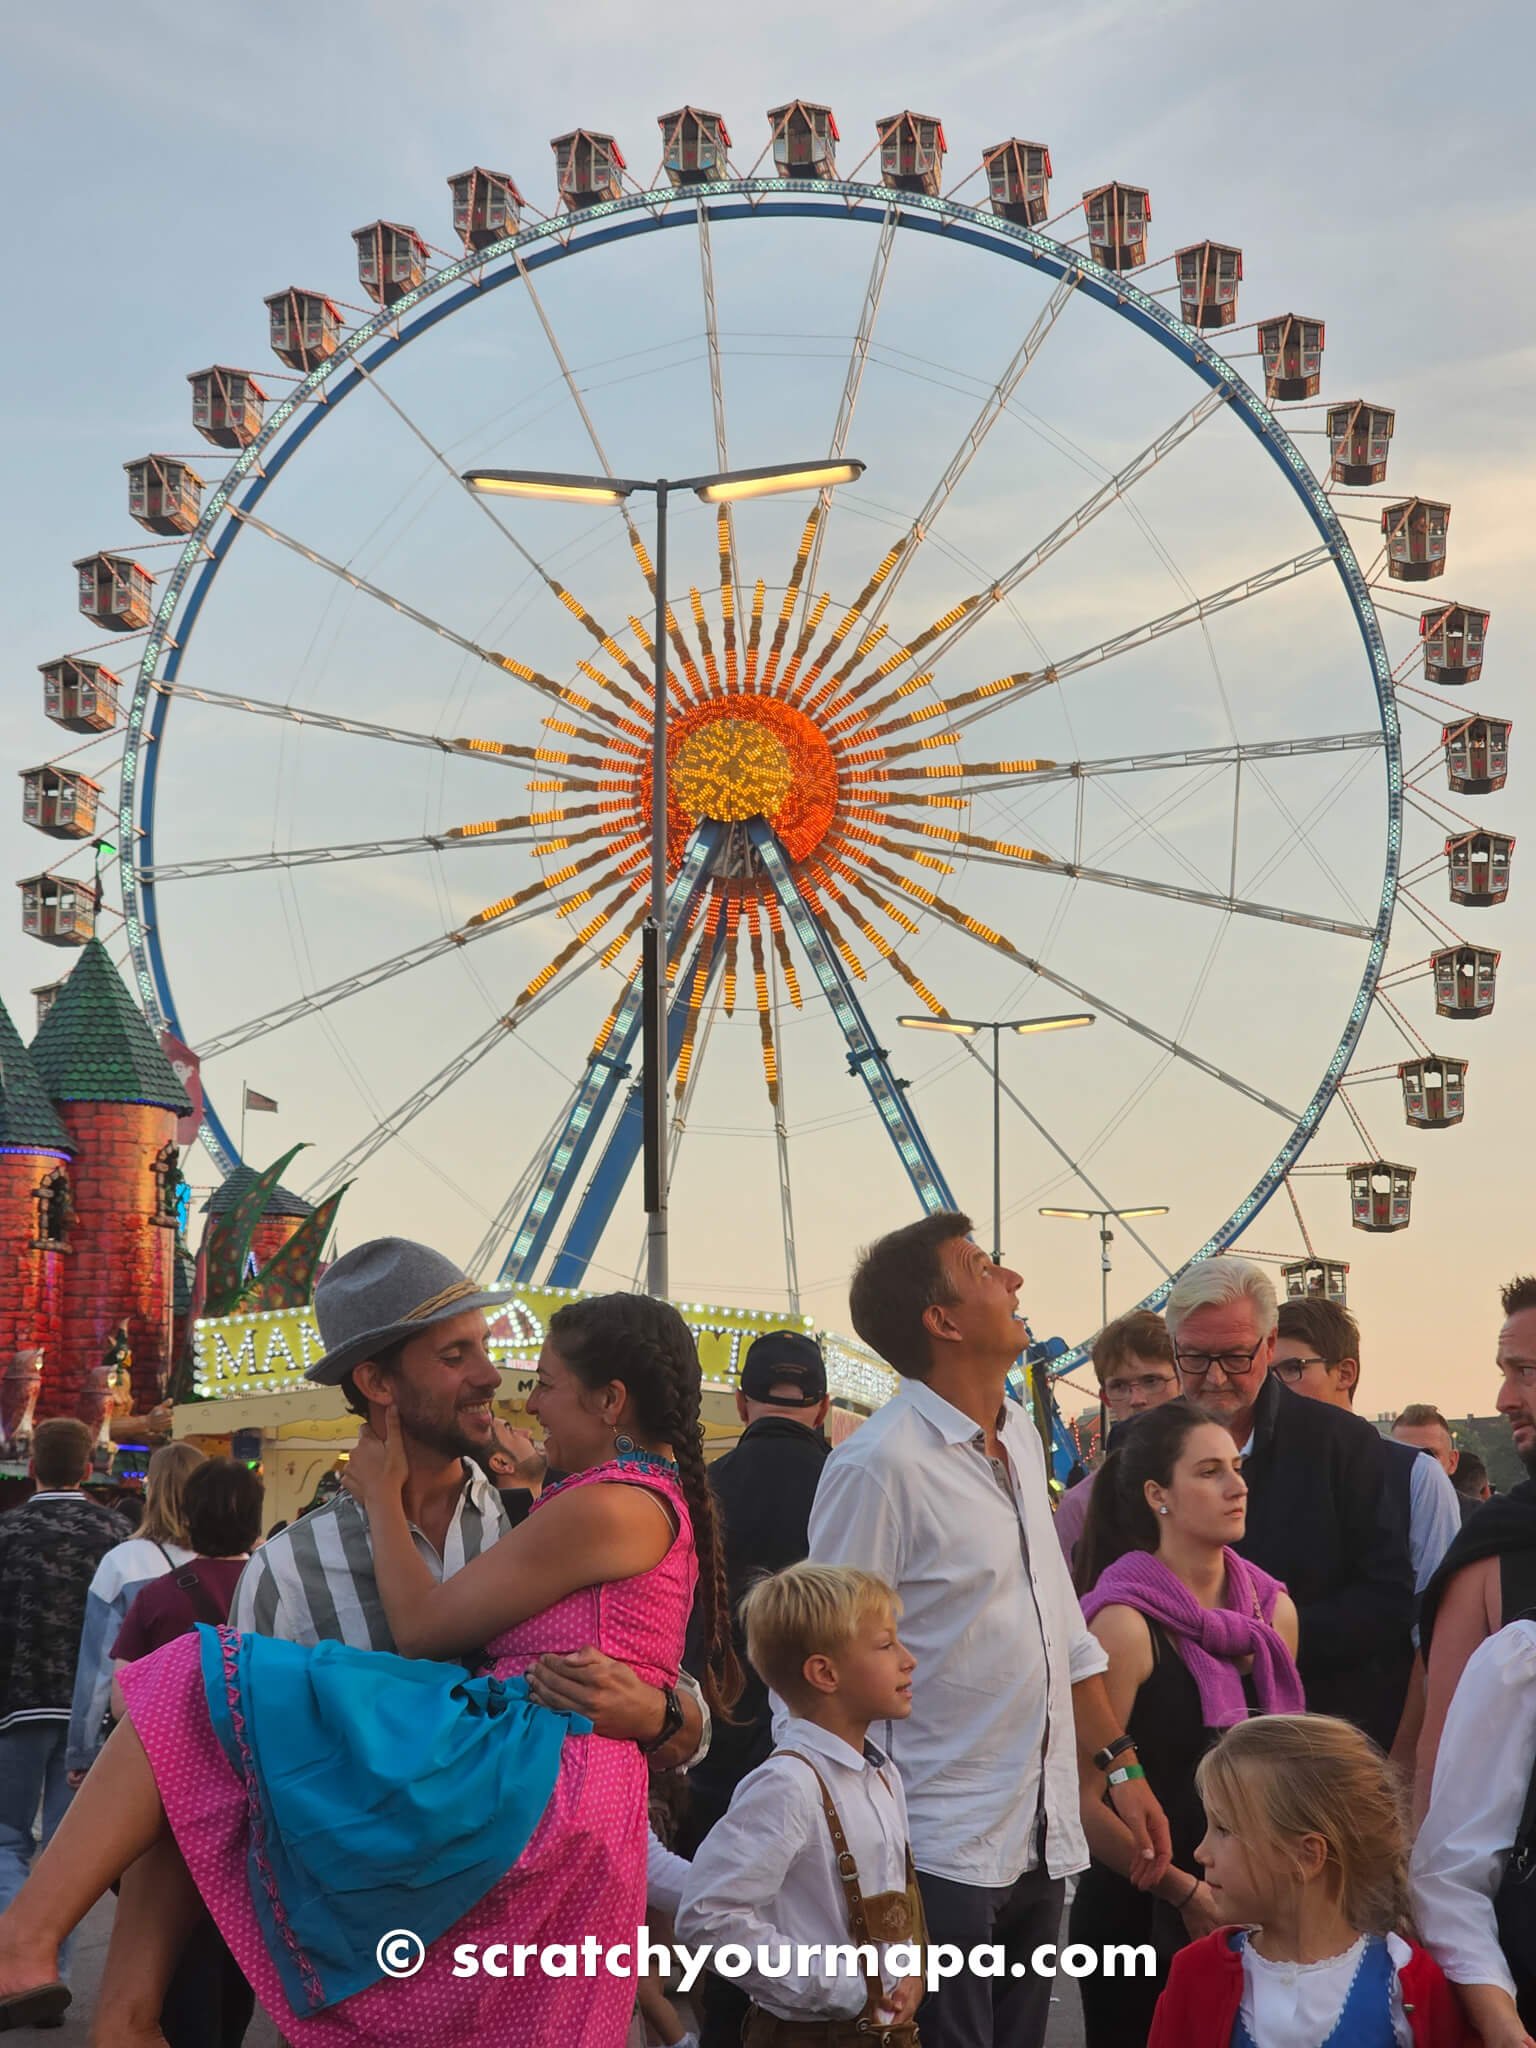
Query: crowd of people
[[843, 1727]]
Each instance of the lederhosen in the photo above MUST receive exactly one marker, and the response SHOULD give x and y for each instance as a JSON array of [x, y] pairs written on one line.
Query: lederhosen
[[882, 1917]]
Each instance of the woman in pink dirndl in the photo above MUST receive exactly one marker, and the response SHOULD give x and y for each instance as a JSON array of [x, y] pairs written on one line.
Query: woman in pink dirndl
[[321, 1800]]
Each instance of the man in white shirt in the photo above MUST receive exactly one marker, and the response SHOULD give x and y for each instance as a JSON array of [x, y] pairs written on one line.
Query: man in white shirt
[[942, 1494]]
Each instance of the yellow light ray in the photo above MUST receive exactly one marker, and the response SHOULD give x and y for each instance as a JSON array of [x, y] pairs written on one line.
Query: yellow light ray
[[781, 947], [913, 648], [764, 1006], [706, 645], [853, 614], [883, 946], [732, 933], [791, 594], [755, 631], [814, 618], [539, 888], [696, 994], [725, 544], [676, 689], [567, 953]]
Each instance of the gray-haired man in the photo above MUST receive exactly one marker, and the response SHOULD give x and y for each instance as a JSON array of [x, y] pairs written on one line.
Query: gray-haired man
[[405, 1329]]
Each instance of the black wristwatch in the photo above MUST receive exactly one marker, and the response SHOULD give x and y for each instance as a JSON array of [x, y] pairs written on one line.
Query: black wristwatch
[[671, 1721], [1103, 1758]]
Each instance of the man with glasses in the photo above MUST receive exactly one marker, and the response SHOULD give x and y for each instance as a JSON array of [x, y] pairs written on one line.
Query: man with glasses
[[1320, 1516], [1133, 1362], [1489, 1573]]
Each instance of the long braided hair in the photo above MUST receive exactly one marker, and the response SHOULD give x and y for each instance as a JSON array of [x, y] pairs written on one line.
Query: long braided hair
[[647, 1346]]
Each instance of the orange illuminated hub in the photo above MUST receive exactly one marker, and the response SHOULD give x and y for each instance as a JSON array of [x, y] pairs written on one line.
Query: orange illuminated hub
[[741, 757]]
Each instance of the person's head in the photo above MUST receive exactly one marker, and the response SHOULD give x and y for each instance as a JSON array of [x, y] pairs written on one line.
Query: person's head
[[223, 1503], [1293, 1800], [1221, 1318], [440, 1383], [1426, 1429], [1133, 1361], [818, 1632], [784, 1375], [405, 1329], [927, 1297], [164, 1519], [626, 1365], [1317, 1350], [1517, 1362], [1173, 1484], [1471, 1480], [61, 1454]]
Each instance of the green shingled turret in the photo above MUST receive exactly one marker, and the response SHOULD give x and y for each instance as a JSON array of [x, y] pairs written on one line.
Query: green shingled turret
[[95, 1046], [27, 1119]]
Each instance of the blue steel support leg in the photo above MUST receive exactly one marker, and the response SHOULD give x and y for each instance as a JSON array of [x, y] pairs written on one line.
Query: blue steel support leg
[[866, 1056], [605, 1070], [624, 1141]]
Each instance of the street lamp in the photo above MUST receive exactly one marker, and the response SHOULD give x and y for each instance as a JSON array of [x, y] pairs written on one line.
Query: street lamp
[[724, 487], [966, 1027], [1106, 1239]]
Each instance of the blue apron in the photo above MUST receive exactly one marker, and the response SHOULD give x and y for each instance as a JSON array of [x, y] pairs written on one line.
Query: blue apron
[[382, 1792], [1366, 2018]]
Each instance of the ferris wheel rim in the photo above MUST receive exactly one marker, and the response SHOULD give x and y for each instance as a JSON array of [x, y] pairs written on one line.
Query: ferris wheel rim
[[416, 312]]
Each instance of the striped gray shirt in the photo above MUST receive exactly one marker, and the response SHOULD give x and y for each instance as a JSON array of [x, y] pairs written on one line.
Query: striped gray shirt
[[314, 1581]]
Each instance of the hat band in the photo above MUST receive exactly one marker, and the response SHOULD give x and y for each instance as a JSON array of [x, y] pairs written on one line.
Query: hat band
[[459, 1291]]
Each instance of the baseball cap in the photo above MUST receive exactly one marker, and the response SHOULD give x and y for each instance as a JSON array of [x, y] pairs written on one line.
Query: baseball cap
[[780, 1358]]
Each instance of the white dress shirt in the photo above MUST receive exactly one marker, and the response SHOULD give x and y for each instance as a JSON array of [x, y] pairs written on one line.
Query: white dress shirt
[[1482, 1772], [766, 1875], [989, 1613], [1296, 2005], [1434, 1518]]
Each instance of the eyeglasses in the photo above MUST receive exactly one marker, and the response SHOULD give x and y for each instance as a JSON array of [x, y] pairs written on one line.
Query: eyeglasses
[[1148, 1388], [1235, 1365], [1291, 1369]]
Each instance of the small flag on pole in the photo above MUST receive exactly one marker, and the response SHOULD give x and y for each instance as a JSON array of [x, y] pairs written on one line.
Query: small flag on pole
[[255, 1101]]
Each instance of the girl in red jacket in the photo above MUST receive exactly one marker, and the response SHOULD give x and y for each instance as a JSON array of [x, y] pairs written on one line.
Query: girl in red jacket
[[1306, 1852]]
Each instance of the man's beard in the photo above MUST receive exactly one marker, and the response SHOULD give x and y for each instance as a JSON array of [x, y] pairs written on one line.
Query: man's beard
[[433, 1432]]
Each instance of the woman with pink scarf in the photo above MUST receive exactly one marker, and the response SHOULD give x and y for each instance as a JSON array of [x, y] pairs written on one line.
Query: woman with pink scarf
[[1198, 1639]]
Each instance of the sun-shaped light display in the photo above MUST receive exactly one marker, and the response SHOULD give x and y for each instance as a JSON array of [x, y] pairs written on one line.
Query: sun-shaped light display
[[732, 769]]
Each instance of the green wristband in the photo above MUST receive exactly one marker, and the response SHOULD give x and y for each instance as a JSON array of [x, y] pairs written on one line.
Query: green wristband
[[1125, 1774]]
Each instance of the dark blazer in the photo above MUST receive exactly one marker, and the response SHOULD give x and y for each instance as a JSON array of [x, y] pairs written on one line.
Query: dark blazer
[[763, 1489], [1327, 1515]]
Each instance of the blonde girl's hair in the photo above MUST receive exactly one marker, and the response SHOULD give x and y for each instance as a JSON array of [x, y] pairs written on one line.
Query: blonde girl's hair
[[164, 1519], [808, 1610], [1278, 1777]]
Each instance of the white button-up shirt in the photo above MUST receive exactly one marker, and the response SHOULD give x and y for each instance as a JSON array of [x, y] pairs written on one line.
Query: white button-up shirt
[[1482, 1773], [766, 1875], [991, 1619]]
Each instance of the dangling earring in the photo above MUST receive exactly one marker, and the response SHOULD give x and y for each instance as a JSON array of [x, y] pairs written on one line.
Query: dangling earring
[[623, 1445]]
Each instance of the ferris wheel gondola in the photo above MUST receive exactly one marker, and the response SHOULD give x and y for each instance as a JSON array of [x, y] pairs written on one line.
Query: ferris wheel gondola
[[830, 801]]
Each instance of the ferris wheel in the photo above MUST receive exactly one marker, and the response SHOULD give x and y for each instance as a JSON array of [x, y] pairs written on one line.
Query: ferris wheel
[[1081, 696]]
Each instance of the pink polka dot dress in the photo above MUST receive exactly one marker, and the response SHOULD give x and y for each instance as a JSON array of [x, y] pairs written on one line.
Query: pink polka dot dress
[[582, 1873]]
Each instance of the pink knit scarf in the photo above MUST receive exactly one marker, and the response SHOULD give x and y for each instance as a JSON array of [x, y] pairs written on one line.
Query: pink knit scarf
[[1211, 1640]]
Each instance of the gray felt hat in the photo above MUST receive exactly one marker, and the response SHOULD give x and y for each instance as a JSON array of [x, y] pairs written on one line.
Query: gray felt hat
[[383, 1292]]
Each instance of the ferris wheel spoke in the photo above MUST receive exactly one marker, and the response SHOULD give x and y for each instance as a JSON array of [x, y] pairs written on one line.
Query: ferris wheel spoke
[[945, 632], [389, 1127], [984, 778], [545, 685], [501, 1223], [358, 728], [556, 588], [994, 406], [869, 313], [730, 568], [636, 544], [959, 920], [1241, 906], [987, 697], [494, 832], [1075, 1166]]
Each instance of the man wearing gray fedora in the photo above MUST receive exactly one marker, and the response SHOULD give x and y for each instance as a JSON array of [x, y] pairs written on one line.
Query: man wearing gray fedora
[[403, 1328]]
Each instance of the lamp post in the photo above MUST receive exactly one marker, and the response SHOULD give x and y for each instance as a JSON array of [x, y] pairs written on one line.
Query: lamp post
[[1106, 1239], [966, 1027], [724, 487]]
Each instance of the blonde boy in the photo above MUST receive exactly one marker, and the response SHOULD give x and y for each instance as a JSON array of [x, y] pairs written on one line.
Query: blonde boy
[[765, 1889]]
